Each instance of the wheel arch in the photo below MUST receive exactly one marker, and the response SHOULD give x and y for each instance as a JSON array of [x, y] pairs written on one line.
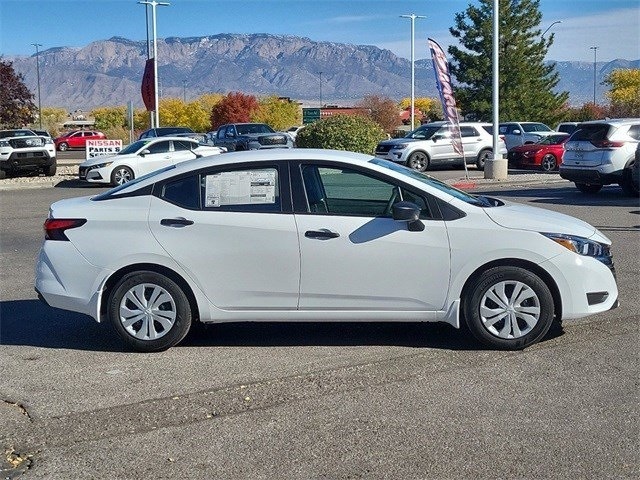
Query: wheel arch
[[525, 264], [116, 276]]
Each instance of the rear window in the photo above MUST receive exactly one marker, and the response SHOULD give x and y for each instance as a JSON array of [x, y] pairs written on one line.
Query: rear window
[[590, 133]]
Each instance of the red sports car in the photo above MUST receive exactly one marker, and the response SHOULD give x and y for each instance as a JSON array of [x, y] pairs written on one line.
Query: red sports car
[[77, 139], [545, 155]]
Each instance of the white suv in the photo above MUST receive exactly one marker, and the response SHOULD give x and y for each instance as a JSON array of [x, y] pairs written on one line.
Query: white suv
[[430, 144], [601, 153]]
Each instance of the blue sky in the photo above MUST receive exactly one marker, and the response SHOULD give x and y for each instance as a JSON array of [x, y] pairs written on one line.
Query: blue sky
[[612, 25]]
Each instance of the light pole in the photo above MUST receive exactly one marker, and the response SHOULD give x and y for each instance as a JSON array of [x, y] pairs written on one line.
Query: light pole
[[595, 56], [549, 27], [154, 4], [38, 77], [320, 73], [413, 64], [184, 90]]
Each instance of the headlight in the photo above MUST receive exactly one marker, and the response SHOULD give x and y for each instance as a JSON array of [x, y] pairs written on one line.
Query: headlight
[[582, 246], [400, 146], [4, 143], [100, 165], [527, 154]]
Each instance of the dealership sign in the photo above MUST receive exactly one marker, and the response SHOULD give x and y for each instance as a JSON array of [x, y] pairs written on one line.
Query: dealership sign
[[101, 148]]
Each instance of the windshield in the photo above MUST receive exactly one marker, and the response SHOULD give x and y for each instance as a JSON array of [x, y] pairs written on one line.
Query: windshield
[[433, 182], [134, 147], [423, 132], [535, 127], [553, 139], [250, 128]]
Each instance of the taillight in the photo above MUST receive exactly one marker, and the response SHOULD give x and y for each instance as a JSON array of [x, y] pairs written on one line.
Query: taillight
[[54, 228], [606, 144]]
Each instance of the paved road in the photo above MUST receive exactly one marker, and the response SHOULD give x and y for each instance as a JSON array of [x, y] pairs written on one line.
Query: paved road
[[325, 401]]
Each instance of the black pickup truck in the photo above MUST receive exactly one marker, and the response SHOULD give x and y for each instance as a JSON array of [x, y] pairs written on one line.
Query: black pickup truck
[[250, 136]]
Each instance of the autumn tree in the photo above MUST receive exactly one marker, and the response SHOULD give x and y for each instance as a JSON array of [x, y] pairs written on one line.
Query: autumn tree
[[52, 119], [235, 107], [278, 113], [526, 82], [382, 110], [624, 92], [109, 117], [16, 101], [430, 107]]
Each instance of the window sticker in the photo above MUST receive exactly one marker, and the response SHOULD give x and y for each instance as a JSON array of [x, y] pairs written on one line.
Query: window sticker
[[241, 188]]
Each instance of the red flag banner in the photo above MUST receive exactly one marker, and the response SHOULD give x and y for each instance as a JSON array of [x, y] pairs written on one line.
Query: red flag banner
[[148, 86], [443, 81]]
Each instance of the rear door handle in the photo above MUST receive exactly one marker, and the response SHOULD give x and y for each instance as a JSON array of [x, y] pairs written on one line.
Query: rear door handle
[[176, 222], [323, 234]]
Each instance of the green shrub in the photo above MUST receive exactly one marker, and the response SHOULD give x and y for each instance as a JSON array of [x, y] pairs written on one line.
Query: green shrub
[[342, 132]]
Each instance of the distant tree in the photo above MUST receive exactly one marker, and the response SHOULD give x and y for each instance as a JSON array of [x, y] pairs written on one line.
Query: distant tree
[[16, 101], [588, 111], [173, 112], [278, 113], [382, 110], [109, 117], [235, 107], [430, 107], [52, 119], [624, 92], [354, 133], [526, 82]]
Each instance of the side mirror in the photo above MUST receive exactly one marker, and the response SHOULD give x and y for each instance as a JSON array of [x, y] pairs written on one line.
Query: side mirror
[[229, 135], [517, 132], [144, 152], [408, 212], [435, 138]]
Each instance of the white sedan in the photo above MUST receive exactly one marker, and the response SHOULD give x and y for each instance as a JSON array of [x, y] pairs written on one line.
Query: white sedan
[[142, 157], [317, 235]]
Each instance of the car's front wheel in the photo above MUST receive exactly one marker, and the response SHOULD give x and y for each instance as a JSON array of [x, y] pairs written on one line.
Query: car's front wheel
[[588, 187], [121, 175], [418, 161], [549, 162], [508, 308], [149, 311]]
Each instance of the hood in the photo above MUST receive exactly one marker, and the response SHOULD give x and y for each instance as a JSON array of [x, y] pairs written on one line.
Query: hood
[[106, 159], [529, 147], [396, 141], [525, 217]]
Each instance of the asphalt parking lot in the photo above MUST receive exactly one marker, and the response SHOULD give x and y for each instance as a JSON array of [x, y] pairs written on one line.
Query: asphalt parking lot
[[325, 401]]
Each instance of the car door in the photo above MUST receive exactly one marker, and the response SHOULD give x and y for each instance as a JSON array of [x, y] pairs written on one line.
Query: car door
[[75, 140], [441, 146], [232, 230], [354, 256], [159, 156]]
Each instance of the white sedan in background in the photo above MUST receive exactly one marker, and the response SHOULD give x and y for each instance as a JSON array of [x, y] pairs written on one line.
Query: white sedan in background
[[142, 157], [317, 235]]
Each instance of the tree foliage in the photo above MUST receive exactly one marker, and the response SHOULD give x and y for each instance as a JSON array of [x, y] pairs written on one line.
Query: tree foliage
[[109, 117], [624, 92], [382, 110], [16, 101], [342, 132], [235, 107], [526, 82], [52, 119], [278, 113], [430, 107]]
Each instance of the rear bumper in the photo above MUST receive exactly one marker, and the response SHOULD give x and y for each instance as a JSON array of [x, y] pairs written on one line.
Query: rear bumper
[[593, 176]]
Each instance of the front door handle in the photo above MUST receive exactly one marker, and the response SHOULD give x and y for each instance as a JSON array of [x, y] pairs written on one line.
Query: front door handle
[[323, 234], [175, 222]]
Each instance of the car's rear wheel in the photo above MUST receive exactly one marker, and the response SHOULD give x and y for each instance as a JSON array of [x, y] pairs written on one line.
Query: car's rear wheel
[[3, 174], [549, 162], [121, 175], [588, 187], [482, 158], [64, 146], [418, 161], [508, 308], [628, 185], [149, 311]]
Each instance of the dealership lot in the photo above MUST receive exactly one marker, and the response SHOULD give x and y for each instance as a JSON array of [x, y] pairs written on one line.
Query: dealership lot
[[320, 400]]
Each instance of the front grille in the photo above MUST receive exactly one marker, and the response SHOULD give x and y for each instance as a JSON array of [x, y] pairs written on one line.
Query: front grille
[[383, 148], [273, 140], [28, 142]]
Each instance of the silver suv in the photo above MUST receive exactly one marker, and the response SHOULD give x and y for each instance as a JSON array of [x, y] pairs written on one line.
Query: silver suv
[[601, 153], [522, 133], [430, 145]]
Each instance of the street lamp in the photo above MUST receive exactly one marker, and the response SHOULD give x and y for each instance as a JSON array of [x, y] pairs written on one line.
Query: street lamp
[[549, 27], [320, 73], [595, 56], [413, 64], [184, 90], [154, 4], [38, 77]]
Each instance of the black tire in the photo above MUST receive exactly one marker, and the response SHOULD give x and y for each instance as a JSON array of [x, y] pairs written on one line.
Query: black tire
[[483, 156], [418, 161], [629, 187], [121, 175], [514, 326], [588, 187], [3, 174], [50, 171], [63, 147], [153, 331], [549, 162]]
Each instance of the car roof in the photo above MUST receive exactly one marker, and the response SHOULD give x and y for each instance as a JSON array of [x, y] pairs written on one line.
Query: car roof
[[614, 121]]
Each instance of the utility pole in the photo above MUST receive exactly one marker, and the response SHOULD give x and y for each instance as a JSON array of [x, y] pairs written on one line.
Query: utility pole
[[38, 77], [595, 57]]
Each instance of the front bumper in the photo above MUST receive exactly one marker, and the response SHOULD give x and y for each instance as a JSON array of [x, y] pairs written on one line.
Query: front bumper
[[95, 175], [16, 160]]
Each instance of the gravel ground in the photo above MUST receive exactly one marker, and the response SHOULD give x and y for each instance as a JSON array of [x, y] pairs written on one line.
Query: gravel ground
[[64, 173]]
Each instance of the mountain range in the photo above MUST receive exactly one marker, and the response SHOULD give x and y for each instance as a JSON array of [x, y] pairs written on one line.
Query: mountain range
[[109, 72]]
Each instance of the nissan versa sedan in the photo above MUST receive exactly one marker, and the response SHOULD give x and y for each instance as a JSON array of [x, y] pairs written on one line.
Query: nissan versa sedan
[[142, 157], [317, 235]]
